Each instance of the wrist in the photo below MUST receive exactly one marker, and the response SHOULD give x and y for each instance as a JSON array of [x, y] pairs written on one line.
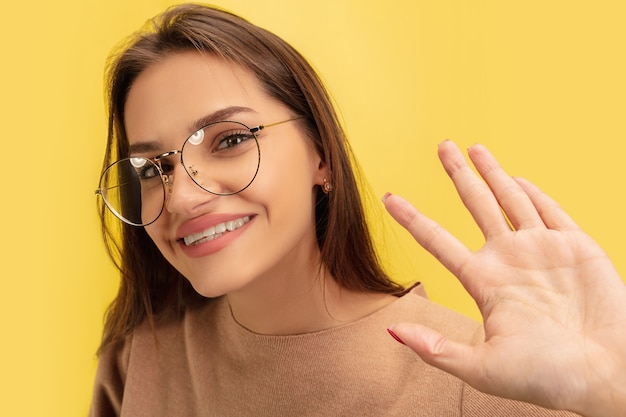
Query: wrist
[[606, 391]]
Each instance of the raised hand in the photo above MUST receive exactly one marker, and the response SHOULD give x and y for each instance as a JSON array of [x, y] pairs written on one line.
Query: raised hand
[[553, 305]]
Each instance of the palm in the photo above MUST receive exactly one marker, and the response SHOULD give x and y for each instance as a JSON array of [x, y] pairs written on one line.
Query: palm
[[551, 301], [542, 277]]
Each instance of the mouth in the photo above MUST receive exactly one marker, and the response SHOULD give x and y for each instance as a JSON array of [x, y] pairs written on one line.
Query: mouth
[[215, 232]]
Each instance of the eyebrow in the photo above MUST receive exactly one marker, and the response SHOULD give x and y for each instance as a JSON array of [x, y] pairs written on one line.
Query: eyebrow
[[217, 116]]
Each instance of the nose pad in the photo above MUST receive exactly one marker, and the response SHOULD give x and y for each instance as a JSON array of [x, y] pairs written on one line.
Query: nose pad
[[183, 195], [204, 180]]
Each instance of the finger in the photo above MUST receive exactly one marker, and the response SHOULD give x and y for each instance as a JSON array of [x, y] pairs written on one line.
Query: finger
[[455, 358], [474, 193], [431, 236], [551, 213], [511, 197]]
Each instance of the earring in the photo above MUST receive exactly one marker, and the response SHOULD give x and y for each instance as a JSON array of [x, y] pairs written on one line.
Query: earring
[[327, 187]]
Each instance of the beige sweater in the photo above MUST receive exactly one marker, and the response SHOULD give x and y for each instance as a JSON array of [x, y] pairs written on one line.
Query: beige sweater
[[206, 364]]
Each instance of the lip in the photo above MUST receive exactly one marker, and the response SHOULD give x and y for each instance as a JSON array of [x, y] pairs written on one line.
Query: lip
[[205, 222]]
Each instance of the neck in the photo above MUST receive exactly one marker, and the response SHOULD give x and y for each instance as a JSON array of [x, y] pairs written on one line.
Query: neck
[[283, 304]]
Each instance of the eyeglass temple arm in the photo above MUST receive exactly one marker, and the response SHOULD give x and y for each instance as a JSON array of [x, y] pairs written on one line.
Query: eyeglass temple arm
[[261, 127]]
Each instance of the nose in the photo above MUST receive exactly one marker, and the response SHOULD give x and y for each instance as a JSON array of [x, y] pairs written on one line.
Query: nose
[[184, 196]]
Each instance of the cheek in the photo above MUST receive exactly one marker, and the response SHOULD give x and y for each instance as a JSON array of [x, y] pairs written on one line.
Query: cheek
[[287, 168], [285, 187], [156, 232]]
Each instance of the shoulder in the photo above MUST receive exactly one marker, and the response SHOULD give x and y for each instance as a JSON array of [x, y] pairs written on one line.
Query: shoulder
[[136, 356], [110, 379], [478, 404]]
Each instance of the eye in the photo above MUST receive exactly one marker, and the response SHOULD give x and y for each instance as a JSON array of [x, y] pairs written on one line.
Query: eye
[[147, 172], [144, 168], [230, 139], [166, 167]]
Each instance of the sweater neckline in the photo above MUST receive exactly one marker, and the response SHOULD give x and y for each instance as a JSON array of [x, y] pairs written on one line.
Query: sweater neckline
[[229, 321]]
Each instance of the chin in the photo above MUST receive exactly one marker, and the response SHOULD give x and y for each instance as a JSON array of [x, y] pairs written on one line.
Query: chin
[[214, 286], [207, 290]]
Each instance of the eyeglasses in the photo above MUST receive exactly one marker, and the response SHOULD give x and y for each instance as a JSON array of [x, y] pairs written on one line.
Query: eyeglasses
[[222, 158]]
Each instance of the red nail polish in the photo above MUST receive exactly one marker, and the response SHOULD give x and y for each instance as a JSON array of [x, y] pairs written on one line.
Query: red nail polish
[[395, 336]]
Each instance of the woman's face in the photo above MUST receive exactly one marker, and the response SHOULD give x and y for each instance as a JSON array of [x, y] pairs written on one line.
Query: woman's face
[[273, 219]]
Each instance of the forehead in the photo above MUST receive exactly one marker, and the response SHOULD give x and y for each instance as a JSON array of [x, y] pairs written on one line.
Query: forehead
[[170, 95]]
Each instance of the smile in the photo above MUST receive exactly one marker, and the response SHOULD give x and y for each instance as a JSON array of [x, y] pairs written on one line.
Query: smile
[[215, 232]]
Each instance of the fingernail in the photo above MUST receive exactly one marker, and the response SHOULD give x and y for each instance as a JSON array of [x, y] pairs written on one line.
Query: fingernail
[[395, 336], [472, 146], [385, 197]]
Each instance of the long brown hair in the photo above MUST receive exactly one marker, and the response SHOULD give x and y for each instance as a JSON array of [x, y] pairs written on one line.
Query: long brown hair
[[149, 284]]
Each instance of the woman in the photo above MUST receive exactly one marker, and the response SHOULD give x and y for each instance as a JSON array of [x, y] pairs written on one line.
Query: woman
[[250, 285]]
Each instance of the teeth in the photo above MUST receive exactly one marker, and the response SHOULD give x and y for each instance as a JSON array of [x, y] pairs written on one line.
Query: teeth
[[236, 224], [216, 231]]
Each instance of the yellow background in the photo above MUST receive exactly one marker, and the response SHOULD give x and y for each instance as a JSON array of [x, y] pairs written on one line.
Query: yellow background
[[540, 82]]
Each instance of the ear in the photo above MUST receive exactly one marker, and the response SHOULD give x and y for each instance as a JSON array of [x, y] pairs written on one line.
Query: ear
[[322, 175]]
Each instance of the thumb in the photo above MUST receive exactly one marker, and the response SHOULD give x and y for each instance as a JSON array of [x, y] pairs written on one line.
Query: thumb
[[435, 349]]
